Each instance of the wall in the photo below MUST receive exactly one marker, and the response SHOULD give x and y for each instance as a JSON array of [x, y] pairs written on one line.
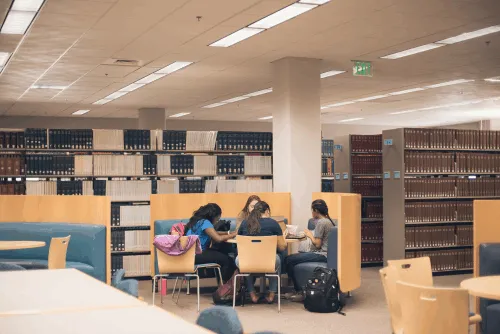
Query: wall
[[481, 125]]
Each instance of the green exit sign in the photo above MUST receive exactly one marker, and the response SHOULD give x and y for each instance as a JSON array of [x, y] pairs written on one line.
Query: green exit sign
[[362, 68]]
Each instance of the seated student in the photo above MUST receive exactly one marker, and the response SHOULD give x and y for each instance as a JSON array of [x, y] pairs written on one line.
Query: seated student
[[259, 223], [202, 224], [245, 212], [316, 244]]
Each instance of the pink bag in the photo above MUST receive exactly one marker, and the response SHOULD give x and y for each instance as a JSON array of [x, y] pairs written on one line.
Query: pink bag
[[177, 229]]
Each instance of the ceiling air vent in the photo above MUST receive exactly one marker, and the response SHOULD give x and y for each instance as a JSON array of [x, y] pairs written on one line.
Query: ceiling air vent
[[123, 62]]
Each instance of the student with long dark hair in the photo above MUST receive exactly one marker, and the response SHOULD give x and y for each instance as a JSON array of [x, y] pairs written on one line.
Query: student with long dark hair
[[260, 223], [202, 224], [245, 212], [318, 241]]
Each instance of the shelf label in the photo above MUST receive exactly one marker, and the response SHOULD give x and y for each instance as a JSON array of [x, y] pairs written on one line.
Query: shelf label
[[388, 142], [345, 176], [337, 147], [397, 174], [337, 176], [387, 175]]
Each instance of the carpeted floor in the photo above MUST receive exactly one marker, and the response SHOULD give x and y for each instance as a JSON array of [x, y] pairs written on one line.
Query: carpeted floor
[[366, 312]]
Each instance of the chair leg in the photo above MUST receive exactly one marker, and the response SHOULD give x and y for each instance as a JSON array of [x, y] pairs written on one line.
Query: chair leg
[[279, 294], [234, 290], [180, 289], [160, 289], [198, 291], [154, 286], [175, 286], [220, 276], [188, 287]]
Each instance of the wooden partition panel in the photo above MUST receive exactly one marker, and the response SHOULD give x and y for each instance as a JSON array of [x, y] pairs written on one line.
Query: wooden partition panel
[[60, 209], [179, 206], [346, 208]]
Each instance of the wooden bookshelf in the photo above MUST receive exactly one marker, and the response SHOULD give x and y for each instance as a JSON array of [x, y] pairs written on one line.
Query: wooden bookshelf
[[357, 166]]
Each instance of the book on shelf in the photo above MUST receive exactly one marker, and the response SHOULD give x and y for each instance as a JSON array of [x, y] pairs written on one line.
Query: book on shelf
[[84, 165], [371, 253], [437, 236], [138, 265], [128, 190], [12, 187], [130, 215], [372, 209], [11, 139], [366, 143], [451, 187], [446, 260], [429, 162], [163, 164], [118, 165], [173, 140], [118, 241], [168, 186], [200, 140], [70, 139], [150, 163], [41, 187], [442, 211], [35, 138], [182, 164], [139, 139], [192, 185], [452, 139], [372, 232], [243, 186], [258, 165], [205, 165], [367, 186], [327, 147], [244, 141], [112, 140], [366, 164], [327, 167], [12, 164], [230, 164], [327, 186]]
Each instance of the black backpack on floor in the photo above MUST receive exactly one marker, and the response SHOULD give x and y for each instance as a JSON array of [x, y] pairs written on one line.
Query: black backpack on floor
[[322, 292]]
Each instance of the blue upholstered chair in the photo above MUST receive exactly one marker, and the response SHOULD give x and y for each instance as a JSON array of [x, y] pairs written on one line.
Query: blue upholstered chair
[[130, 286], [10, 267], [489, 264], [220, 320]]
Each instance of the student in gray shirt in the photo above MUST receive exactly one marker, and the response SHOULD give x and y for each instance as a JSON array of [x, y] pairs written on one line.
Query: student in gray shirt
[[315, 247]]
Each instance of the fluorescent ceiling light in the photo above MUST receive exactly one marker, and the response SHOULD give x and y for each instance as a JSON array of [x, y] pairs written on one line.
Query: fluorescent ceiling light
[[315, 2], [282, 15], [236, 99], [449, 83], [413, 51], [260, 92], [180, 114], [150, 78], [406, 91], [494, 79], [17, 22], [27, 5], [330, 74], [350, 120], [81, 112], [404, 112], [338, 104], [131, 87], [470, 35], [266, 117], [443, 106], [115, 95], [4, 57], [48, 87], [236, 37], [215, 105], [370, 98], [102, 101], [174, 67]]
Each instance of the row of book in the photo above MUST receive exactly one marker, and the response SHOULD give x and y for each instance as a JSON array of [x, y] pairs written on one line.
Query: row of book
[[137, 139], [120, 165], [70, 139], [59, 187], [327, 186], [248, 185], [327, 167], [372, 232], [327, 148], [366, 143], [50, 165], [372, 209], [123, 190], [451, 187], [435, 212], [35, 138], [477, 163], [446, 260], [367, 186], [438, 236], [366, 164], [372, 253], [134, 265], [11, 139], [130, 215], [460, 162], [12, 164], [12, 188], [244, 141], [452, 139], [130, 241]]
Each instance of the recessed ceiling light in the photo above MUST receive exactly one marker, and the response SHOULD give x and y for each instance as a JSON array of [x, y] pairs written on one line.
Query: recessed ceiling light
[[27, 5], [131, 87], [102, 101], [470, 35], [48, 87], [449, 83], [81, 112], [350, 120], [330, 74], [17, 22], [266, 117], [236, 99], [413, 51], [115, 95], [315, 2], [494, 79], [260, 92], [150, 78], [406, 91], [180, 114], [174, 67], [338, 104], [4, 57], [215, 105], [236, 37], [282, 15], [404, 112], [370, 98]]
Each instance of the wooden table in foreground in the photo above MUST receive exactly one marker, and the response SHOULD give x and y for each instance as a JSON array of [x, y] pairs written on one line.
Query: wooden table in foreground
[[288, 241], [133, 320], [12, 245], [484, 287], [52, 291]]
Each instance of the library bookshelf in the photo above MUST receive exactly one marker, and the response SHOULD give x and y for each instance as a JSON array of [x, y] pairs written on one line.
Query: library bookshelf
[[434, 179], [358, 169], [327, 166], [129, 166]]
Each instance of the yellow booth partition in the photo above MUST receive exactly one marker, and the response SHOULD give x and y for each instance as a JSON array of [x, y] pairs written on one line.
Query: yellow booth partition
[[346, 208], [60, 209], [179, 206]]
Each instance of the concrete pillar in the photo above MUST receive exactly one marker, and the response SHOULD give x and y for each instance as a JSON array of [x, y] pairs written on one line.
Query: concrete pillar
[[297, 133], [151, 119]]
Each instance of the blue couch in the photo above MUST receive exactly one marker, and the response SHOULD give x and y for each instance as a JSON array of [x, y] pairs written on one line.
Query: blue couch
[[489, 264], [86, 249]]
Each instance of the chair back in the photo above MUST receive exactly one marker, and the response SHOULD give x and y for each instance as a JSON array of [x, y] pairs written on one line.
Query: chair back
[[415, 271], [257, 255], [427, 310], [57, 252], [179, 264], [389, 277]]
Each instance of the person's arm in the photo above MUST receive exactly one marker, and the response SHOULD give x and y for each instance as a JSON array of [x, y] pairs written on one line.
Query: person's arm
[[317, 242], [216, 237]]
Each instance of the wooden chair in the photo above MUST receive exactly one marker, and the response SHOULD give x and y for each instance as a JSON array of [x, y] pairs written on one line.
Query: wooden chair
[[388, 276], [180, 265], [57, 252], [429, 310], [257, 255]]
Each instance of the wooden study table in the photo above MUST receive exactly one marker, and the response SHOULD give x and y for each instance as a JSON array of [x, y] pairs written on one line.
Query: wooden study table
[[132, 320], [12, 245], [49, 291], [484, 287]]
